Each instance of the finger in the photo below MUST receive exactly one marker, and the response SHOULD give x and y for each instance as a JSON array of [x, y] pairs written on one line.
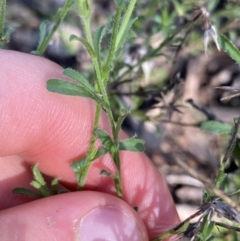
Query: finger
[[14, 171], [54, 130], [85, 216]]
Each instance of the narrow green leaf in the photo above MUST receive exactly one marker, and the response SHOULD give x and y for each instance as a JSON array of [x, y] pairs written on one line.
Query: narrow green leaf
[[207, 230], [42, 36], [43, 31], [172, 231], [87, 87], [122, 116], [35, 184], [236, 152], [211, 238], [54, 186], [67, 88], [26, 192], [220, 176], [230, 48], [97, 39], [78, 165], [77, 76], [102, 151], [132, 144], [104, 138], [126, 33], [38, 176], [85, 44], [217, 127]]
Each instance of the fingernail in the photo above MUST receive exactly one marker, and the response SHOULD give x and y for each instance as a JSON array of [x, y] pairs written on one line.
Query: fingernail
[[108, 223]]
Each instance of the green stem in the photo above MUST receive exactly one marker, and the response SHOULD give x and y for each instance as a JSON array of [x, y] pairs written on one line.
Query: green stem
[[118, 179], [125, 21], [88, 34], [116, 157], [108, 106], [87, 29], [95, 126], [101, 85], [113, 42], [91, 149], [60, 16], [120, 120], [2, 16]]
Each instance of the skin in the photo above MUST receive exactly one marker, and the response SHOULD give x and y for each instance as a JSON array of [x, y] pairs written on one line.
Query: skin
[[53, 130]]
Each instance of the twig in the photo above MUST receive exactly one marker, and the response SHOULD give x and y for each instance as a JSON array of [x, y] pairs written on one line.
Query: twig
[[232, 140], [206, 182]]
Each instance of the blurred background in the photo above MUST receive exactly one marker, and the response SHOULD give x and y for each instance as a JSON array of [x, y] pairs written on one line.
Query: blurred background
[[164, 75]]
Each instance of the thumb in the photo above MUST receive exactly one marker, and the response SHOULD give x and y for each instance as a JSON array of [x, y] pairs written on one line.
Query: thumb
[[73, 216]]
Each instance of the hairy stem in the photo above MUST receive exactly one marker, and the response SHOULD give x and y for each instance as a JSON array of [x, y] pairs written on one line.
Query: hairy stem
[[91, 150], [125, 21], [2, 16], [59, 18]]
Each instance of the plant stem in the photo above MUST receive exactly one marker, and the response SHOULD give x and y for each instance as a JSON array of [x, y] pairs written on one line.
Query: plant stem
[[113, 43], [95, 126], [98, 88], [87, 29], [2, 16], [59, 18], [101, 87], [91, 149], [88, 34], [125, 21]]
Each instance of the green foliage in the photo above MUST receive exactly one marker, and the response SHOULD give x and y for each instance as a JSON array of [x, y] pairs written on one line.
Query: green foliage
[[40, 185], [97, 40], [217, 127], [132, 144], [5, 33], [44, 38], [25, 192], [178, 230], [126, 33], [105, 139], [84, 8], [98, 92], [42, 34], [230, 48], [109, 70], [85, 43], [82, 81], [66, 88], [206, 234]]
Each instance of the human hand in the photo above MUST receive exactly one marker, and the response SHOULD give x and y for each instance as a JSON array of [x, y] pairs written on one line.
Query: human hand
[[53, 130]]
